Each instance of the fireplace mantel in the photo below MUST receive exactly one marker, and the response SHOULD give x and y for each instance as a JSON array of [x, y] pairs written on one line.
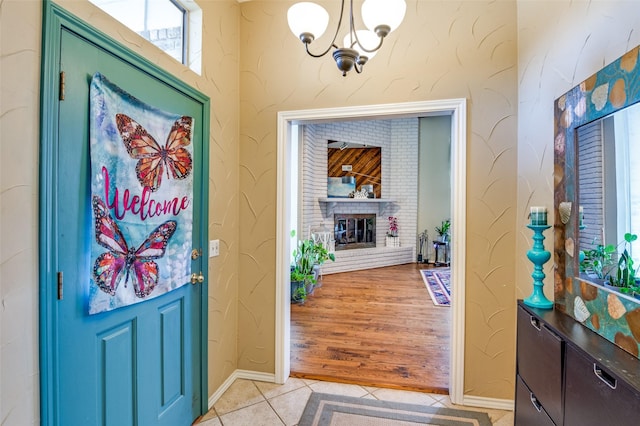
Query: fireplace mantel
[[330, 203]]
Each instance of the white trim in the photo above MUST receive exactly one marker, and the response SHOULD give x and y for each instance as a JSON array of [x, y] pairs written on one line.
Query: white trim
[[458, 252], [458, 110], [283, 248], [492, 403], [239, 374], [193, 35]]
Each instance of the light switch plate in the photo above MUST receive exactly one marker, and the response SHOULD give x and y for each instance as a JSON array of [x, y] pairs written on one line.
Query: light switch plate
[[214, 248]]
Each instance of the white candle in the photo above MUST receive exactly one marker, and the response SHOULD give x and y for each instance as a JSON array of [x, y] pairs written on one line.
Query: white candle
[[538, 216]]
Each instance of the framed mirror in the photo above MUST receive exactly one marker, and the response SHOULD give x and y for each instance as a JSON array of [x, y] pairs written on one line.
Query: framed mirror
[[596, 140]]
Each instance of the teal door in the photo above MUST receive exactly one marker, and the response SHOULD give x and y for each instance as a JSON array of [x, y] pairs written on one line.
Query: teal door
[[137, 365]]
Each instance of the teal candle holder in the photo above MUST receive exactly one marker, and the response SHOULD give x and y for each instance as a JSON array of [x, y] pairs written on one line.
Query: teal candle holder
[[539, 256]]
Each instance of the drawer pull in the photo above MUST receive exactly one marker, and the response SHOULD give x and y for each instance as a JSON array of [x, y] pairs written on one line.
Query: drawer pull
[[609, 381], [535, 402], [534, 322]]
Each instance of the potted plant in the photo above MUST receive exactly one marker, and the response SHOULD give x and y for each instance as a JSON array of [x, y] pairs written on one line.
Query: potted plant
[[598, 261], [623, 275], [443, 230], [320, 256], [392, 234], [298, 286], [302, 267], [307, 258]]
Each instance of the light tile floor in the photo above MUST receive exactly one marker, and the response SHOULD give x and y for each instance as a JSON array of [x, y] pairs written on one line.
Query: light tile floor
[[253, 403]]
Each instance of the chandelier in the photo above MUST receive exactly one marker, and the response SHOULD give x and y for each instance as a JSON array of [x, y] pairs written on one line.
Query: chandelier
[[309, 21]]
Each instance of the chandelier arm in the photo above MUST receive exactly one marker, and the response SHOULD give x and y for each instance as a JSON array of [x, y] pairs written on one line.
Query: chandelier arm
[[319, 55], [352, 25], [358, 70], [354, 34], [364, 48], [335, 36]]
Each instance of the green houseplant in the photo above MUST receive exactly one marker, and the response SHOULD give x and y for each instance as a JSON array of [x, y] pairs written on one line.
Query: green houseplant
[[623, 275], [302, 278], [598, 261], [307, 256], [443, 230], [320, 255], [298, 286]]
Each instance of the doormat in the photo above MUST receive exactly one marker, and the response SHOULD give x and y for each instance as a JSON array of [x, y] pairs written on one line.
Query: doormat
[[437, 282], [338, 410]]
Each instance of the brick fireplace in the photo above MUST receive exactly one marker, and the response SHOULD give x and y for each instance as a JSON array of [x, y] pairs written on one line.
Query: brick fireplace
[[398, 140]]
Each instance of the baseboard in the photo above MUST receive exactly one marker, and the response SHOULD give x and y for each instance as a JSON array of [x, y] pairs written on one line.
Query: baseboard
[[240, 374], [355, 260], [468, 400], [482, 402]]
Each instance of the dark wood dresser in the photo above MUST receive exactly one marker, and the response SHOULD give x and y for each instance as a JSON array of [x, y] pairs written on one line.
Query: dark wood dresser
[[568, 375]]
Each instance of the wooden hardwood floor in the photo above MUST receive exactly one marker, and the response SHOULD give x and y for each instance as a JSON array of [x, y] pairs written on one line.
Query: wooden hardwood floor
[[376, 327]]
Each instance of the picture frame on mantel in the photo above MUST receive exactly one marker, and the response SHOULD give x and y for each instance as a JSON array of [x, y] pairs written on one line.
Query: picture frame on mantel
[[338, 187], [612, 315]]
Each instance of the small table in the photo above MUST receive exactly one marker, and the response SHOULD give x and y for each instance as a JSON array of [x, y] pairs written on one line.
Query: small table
[[441, 249]]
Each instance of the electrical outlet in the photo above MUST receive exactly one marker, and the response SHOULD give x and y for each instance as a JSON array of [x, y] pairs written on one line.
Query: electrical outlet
[[214, 248], [347, 167]]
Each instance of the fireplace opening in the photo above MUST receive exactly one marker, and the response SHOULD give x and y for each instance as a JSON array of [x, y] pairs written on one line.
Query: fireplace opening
[[354, 231]]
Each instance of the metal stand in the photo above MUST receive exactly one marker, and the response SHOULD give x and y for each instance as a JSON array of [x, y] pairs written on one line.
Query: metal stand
[[441, 249]]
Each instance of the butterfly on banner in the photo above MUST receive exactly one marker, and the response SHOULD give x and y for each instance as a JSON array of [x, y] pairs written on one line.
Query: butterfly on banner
[[122, 260], [153, 158]]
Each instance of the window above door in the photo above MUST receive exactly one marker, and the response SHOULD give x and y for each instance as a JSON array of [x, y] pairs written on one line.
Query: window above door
[[173, 26]]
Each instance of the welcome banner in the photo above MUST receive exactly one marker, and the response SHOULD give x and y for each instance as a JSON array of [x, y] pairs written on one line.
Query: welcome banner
[[142, 193]]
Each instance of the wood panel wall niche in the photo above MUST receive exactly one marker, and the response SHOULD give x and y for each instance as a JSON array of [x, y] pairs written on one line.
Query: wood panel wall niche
[[365, 162]]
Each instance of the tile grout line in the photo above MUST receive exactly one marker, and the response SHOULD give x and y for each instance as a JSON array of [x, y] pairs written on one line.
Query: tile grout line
[[241, 408], [268, 400]]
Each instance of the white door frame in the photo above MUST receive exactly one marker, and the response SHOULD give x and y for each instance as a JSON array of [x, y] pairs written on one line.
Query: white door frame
[[457, 108]]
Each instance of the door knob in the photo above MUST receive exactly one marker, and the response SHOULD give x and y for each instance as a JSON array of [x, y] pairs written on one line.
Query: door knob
[[197, 278]]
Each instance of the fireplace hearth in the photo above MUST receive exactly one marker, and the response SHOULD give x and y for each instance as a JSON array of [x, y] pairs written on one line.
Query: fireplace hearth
[[354, 231]]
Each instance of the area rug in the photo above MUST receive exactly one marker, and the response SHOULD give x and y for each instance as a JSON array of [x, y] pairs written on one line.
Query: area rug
[[337, 410], [437, 282]]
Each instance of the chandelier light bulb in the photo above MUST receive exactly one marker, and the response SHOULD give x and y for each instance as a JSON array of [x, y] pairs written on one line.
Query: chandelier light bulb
[[307, 20], [368, 40], [383, 16]]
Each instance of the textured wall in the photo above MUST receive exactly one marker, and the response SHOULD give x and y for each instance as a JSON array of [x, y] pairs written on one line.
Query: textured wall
[[560, 44], [19, 114], [20, 29], [443, 50]]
